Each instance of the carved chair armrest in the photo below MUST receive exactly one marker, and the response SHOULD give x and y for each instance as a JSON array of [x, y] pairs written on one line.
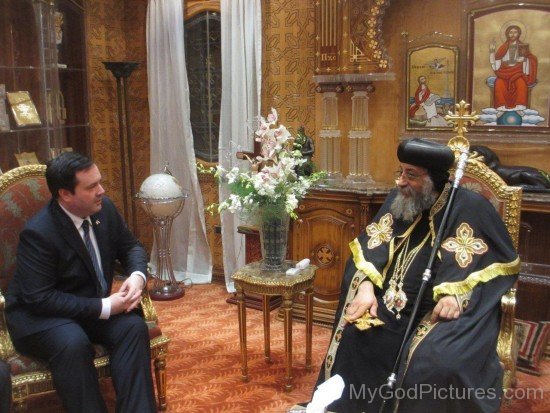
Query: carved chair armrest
[[6, 346], [149, 312], [506, 346]]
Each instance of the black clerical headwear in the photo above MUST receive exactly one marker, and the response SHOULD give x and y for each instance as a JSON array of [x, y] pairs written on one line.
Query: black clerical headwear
[[433, 156]]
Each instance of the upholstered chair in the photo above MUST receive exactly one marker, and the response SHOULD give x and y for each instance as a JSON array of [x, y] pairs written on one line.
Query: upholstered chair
[[478, 177], [23, 191]]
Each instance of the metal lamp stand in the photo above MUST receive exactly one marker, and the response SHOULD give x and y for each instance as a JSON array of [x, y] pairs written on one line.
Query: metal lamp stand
[[122, 71], [165, 286]]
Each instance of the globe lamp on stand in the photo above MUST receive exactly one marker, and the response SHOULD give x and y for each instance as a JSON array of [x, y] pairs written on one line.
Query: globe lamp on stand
[[162, 198]]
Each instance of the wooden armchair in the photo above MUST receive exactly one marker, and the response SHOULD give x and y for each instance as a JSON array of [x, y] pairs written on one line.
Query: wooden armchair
[[23, 191], [478, 177]]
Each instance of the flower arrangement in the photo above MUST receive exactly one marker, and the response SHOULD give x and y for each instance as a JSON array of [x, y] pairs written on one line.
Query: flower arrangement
[[274, 184]]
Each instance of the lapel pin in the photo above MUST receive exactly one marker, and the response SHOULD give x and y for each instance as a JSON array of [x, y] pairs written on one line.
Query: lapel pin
[[97, 222]]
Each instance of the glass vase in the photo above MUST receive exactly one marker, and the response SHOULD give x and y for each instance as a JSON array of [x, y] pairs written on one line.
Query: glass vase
[[274, 240]]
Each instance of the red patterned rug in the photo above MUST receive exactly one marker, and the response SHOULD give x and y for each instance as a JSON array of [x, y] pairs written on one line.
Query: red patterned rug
[[204, 362], [532, 393]]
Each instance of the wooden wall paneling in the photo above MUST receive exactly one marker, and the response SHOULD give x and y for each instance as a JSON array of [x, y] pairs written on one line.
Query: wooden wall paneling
[[532, 297], [193, 7], [105, 42], [116, 31], [210, 194], [138, 104], [534, 242], [521, 154], [288, 62]]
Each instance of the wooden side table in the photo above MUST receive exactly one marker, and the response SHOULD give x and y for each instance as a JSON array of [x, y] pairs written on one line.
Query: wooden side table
[[252, 279]]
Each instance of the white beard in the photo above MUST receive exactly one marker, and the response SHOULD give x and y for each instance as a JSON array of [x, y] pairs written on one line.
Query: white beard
[[408, 204]]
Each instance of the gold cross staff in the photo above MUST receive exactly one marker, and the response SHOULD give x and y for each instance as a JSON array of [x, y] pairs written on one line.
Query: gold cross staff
[[460, 119]]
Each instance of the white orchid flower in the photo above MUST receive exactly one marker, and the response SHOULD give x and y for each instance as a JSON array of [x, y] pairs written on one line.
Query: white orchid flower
[[273, 116]]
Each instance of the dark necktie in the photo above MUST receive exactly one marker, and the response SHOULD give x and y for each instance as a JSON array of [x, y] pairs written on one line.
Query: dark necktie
[[93, 255]]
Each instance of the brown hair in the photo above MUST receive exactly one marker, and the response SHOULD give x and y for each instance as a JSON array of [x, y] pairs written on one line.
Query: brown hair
[[512, 26]]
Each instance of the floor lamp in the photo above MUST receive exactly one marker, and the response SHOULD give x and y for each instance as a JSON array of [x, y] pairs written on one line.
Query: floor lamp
[[122, 71]]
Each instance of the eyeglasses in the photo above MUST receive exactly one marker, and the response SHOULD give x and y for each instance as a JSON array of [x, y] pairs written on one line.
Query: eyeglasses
[[409, 176]]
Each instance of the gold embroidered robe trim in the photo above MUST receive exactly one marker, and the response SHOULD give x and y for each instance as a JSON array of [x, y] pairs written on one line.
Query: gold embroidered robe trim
[[463, 300], [399, 239], [497, 269], [368, 269], [358, 278], [424, 328], [439, 204]]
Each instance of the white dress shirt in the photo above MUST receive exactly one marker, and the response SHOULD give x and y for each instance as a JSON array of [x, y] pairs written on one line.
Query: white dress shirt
[[77, 221]]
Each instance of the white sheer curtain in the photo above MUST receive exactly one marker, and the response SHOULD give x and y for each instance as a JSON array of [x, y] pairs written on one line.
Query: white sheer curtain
[[171, 136], [241, 26]]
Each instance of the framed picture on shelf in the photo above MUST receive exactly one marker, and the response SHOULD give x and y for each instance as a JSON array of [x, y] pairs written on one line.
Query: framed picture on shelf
[[23, 109], [26, 158], [509, 66], [431, 85]]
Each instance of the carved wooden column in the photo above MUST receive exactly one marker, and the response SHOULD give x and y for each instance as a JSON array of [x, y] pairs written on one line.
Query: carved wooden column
[[359, 136], [329, 147]]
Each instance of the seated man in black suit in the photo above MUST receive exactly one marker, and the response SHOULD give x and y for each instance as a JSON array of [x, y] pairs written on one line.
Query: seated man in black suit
[[59, 301]]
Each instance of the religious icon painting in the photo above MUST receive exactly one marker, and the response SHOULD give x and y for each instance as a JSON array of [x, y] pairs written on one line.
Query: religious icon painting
[[509, 66], [431, 85]]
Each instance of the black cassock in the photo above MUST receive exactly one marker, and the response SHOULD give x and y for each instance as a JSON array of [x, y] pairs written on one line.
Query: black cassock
[[449, 366]]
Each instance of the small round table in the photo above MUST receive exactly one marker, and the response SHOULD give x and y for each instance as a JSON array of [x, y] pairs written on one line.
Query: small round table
[[252, 279]]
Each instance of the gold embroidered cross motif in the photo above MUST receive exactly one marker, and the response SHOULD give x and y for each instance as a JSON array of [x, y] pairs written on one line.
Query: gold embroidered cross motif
[[380, 232], [465, 245], [365, 322]]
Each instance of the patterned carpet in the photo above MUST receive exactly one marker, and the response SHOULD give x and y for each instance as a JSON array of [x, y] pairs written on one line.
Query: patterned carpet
[[204, 365], [532, 393], [204, 362]]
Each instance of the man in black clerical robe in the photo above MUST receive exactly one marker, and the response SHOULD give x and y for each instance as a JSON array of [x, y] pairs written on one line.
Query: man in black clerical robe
[[450, 364]]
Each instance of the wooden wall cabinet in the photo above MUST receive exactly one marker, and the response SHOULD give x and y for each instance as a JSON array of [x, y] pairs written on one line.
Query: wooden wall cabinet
[[533, 293], [327, 221], [42, 52]]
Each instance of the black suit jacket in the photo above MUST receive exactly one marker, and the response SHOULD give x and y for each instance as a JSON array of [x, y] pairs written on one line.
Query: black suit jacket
[[55, 281]]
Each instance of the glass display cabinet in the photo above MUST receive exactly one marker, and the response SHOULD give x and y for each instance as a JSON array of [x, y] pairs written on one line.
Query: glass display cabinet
[[43, 93]]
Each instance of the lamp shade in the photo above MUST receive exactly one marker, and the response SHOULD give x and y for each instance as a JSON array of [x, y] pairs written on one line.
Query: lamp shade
[[158, 186], [163, 194]]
